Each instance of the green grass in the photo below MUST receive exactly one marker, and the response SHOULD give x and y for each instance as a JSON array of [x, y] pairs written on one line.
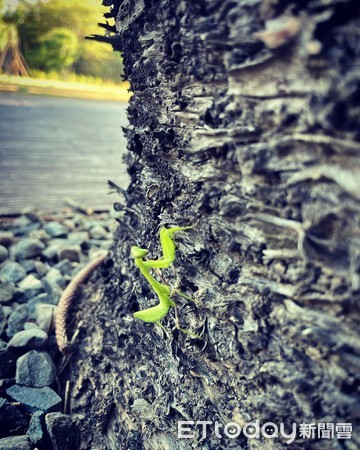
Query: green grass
[[76, 89]]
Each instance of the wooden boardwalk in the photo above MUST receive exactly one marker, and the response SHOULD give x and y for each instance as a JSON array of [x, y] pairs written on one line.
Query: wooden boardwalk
[[56, 148]]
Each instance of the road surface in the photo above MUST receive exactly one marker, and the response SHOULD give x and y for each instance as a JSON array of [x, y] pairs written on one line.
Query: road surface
[[52, 148]]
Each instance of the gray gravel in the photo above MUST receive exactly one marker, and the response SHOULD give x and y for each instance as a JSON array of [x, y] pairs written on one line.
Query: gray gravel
[[62, 431], [29, 339], [15, 443], [36, 431], [27, 248], [11, 418], [33, 399], [35, 369], [39, 255], [12, 271], [4, 253]]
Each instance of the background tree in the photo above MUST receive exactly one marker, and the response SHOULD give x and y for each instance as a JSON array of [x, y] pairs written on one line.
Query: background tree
[[57, 50], [245, 123], [8, 31], [39, 24]]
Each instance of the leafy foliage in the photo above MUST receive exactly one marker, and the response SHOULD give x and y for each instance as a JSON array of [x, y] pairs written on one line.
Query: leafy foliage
[[52, 37], [57, 50], [8, 33]]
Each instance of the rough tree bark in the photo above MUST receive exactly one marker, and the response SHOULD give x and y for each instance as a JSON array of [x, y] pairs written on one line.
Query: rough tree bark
[[245, 123]]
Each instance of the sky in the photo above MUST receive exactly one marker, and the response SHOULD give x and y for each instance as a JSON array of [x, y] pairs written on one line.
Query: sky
[[12, 4]]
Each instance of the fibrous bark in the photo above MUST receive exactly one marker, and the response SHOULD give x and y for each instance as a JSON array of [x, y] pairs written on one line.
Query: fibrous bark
[[245, 123]]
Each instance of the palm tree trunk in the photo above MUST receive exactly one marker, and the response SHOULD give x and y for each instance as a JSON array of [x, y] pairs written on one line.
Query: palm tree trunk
[[244, 122]]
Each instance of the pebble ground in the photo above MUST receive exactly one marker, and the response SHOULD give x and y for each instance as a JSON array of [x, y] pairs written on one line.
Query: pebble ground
[[39, 254]]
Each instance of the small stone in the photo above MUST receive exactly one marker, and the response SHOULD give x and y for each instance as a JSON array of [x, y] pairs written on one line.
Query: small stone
[[45, 316], [12, 271], [28, 265], [21, 221], [17, 319], [33, 399], [98, 232], [7, 291], [69, 224], [9, 309], [32, 215], [40, 268], [62, 431], [7, 363], [3, 253], [6, 383], [6, 238], [31, 286], [40, 235], [89, 224], [52, 289], [55, 229], [11, 419], [79, 220], [2, 320], [15, 443], [23, 231], [33, 338], [64, 266], [94, 243], [29, 282], [55, 279], [35, 432], [35, 369], [71, 253], [27, 248], [30, 325], [40, 299], [52, 249], [77, 238]]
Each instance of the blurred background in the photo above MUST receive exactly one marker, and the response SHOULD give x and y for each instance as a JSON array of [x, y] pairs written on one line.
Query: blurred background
[[62, 106], [45, 39]]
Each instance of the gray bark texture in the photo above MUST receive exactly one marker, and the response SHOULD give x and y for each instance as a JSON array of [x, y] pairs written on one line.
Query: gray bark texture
[[244, 123]]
